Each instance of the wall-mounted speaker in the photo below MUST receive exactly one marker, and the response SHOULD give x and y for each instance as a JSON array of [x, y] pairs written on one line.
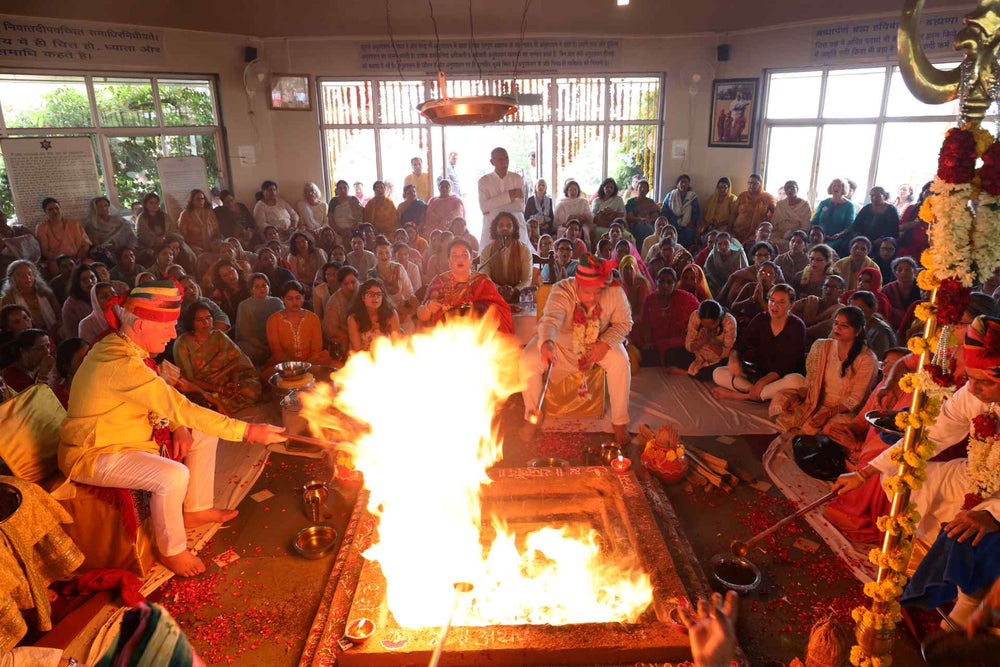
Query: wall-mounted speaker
[[249, 54], [722, 52]]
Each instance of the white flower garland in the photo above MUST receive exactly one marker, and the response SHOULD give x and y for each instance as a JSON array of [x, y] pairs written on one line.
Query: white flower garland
[[984, 466], [950, 250], [986, 236]]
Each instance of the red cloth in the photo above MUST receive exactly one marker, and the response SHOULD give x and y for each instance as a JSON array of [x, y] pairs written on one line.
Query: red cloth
[[126, 583], [667, 325], [884, 307], [916, 240], [479, 292]]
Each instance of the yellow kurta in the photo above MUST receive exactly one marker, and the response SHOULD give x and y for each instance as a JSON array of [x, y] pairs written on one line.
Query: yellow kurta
[[112, 396]]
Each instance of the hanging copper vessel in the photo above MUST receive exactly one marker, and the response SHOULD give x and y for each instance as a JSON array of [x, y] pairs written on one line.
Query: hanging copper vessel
[[471, 110]]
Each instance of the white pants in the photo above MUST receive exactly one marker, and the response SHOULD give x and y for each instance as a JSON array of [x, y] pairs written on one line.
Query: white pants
[[722, 377], [615, 363], [176, 487]]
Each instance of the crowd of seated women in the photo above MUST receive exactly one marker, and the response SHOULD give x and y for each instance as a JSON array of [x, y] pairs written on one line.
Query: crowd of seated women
[[759, 294]]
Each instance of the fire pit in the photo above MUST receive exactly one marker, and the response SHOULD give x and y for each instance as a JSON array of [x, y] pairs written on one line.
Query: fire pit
[[613, 505]]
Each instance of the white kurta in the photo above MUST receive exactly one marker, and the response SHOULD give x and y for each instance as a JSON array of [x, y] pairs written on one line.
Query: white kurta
[[494, 198], [941, 497], [556, 324]]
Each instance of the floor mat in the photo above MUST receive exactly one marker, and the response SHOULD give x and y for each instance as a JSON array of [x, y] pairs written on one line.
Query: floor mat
[[659, 397], [803, 489]]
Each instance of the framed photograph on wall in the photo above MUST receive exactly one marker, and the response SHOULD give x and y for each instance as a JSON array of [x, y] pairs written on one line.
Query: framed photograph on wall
[[734, 109], [290, 92]]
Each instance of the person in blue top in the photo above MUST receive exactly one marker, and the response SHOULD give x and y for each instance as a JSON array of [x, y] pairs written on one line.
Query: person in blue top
[[834, 216]]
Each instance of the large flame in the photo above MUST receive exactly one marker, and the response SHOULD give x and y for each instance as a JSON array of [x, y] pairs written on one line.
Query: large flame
[[426, 405]]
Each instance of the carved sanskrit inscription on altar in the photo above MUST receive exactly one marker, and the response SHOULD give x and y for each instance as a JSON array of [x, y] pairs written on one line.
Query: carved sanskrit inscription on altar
[[60, 167], [57, 41]]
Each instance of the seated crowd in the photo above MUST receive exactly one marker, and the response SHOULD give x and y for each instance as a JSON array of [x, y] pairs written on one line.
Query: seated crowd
[[756, 294]]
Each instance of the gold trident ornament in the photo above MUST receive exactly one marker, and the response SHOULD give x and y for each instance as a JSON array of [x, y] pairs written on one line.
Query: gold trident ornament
[[975, 79]]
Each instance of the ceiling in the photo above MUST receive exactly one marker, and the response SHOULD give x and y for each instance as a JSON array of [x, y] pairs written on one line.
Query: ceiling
[[309, 18]]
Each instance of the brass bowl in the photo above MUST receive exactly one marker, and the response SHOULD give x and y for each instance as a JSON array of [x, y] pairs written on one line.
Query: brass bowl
[[314, 542], [735, 573], [359, 630], [548, 462], [470, 110], [292, 369], [609, 452]]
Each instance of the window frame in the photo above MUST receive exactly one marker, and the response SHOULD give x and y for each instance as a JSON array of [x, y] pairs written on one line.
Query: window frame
[[819, 122], [102, 134], [494, 87]]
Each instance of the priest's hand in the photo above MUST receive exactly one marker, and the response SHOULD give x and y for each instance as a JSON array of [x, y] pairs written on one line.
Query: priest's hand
[[969, 523], [596, 352], [847, 483], [712, 631], [264, 434], [548, 352], [180, 443]]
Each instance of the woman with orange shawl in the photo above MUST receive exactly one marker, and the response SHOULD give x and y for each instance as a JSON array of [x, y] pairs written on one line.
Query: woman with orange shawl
[[693, 280], [460, 290]]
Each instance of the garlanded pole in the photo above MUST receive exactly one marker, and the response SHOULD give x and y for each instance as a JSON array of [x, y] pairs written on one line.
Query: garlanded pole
[[963, 214]]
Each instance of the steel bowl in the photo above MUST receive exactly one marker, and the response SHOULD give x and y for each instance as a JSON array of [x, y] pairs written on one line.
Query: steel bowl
[[548, 462], [735, 573], [10, 500], [314, 542], [292, 369]]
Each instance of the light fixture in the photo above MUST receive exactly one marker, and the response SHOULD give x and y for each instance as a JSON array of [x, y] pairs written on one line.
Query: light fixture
[[622, 3], [472, 109]]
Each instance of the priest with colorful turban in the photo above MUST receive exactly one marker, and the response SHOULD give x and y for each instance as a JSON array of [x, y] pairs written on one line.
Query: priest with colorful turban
[[585, 323], [959, 503], [126, 427]]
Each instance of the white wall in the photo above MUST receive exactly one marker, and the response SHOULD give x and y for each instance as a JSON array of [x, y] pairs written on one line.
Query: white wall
[[288, 146]]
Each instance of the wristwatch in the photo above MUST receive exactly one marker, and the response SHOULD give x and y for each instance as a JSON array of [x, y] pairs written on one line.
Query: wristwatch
[[72, 662]]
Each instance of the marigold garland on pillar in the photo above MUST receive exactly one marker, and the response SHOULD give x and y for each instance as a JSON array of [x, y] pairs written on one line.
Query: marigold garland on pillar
[[963, 214]]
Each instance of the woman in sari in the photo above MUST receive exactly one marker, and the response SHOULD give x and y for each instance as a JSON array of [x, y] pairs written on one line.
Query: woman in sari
[[28, 360], [752, 297], [625, 247], [106, 229], [372, 316], [58, 235], [692, 279], [295, 334], [93, 326], [870, 280], [26, 288], [444, 208], [230, 288], [154, 224], [306, 259], [608, 206], [722, 262], [573, 206], [252, 316], [903, 291], [858, 259], [913, 239], [680, 208], [636, 286], [213, 363], [458, 289], [810, 280], [839, 372], [711, 334], [381, 212], [344, 212], [77, 305], [719, 211], [641, 212], [760, 252], [234, 218], [198, 223]]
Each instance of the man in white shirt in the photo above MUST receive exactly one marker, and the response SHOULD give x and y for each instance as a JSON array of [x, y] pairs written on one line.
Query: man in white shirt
[[502, 191]]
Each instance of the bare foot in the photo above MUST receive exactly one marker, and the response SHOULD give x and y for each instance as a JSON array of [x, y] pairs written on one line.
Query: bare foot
[[195, 519], [722, 393], [622, 436], [184, 564]]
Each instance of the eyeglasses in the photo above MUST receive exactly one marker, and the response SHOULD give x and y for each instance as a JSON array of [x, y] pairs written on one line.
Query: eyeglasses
[[373, 294]]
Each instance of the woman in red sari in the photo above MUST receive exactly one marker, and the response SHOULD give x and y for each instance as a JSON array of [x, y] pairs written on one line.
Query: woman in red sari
[[459, 290]]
